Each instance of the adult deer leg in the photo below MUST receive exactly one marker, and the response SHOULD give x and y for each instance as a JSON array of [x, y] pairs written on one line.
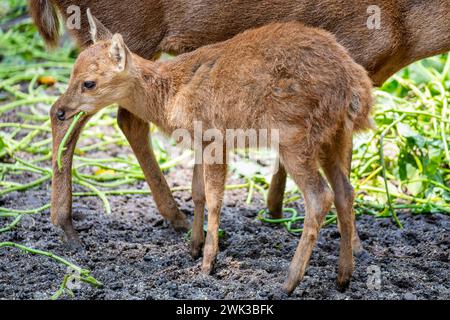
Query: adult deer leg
[[276, 192], [137, 132], [356, 241]]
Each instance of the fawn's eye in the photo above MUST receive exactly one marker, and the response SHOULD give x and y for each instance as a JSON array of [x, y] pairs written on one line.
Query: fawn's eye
[[61, 115], [89, 85]]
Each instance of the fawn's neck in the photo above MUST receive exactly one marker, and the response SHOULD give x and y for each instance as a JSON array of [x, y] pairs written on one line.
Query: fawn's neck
[[151, 86]]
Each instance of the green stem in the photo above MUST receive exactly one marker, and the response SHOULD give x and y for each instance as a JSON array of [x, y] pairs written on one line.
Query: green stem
[[383, 165], [86, 277], [63, 143], [30, 101], [12, 225], [26, 186]]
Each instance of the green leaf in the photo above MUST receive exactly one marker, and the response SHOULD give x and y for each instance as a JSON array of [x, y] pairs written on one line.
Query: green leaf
[[413, 136], [405, 130], [405, 159], [221, 232], [414, 188]]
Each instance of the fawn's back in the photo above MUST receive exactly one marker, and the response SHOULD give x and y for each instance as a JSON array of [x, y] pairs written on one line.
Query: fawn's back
[[276, 76]]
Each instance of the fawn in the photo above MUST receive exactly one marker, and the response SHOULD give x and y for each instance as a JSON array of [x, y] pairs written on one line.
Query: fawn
[[408, 31], [285, 77]]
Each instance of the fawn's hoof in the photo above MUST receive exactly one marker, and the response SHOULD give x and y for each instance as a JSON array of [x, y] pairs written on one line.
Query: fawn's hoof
[[357, 247], [196, 250], [289, 287], [207, 268], [291, 283], [71, 238], [343, 284], [181, 224], [344, 279], [74, 243]]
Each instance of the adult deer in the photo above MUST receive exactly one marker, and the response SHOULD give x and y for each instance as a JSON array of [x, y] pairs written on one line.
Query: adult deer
[[409, 31]]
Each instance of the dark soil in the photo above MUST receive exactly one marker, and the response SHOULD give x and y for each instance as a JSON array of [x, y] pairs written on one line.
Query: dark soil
[[138, 256]]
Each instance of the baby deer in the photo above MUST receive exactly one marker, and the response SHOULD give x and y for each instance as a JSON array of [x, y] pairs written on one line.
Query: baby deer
[[285, 77], [406, 31]]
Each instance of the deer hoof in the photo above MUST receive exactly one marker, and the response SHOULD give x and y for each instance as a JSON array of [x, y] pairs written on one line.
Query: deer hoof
[[73, 241], [343, 285], [344, 279], [181, 224], [289, 287], [207, 268], [196, 251], [71, 238], [357, 248], [75, 244]]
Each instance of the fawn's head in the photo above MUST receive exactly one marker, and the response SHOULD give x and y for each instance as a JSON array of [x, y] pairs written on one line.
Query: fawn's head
[[99, 77]]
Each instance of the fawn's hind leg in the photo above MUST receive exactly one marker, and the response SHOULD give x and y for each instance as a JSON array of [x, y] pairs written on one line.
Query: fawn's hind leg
[[334, 162], [275, 197], [198, 196], [318, 200], [215, 177]]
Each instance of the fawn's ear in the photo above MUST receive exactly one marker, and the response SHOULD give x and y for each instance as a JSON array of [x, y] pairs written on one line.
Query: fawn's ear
[[97, 30], [119, 52]]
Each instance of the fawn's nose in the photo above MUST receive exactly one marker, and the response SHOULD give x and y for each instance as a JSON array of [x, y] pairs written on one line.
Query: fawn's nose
[[61, 115]]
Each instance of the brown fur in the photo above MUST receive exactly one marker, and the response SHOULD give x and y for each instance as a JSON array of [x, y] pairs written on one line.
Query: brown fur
[[45, 17], [410, 30], [285, 77]]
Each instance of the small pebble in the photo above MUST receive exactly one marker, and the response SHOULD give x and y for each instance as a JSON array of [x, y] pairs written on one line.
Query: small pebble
[[410, 296]]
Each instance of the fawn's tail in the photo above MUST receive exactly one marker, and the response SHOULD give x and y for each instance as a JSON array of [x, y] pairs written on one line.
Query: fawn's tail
[[360, 114], [361, 105], [46, 19]]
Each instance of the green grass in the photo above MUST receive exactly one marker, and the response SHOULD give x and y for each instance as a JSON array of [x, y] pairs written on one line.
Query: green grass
[[403, 166]]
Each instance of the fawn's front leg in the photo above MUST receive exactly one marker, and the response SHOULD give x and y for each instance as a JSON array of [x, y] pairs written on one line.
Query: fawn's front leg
[[215, 177], [198, 196], [137, 132]]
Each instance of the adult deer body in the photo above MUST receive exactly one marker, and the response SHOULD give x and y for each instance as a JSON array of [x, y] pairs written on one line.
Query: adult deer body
[[409, 30], [284, 76]]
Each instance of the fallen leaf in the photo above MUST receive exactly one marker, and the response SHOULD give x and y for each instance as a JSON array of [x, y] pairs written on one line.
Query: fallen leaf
[[47, 80], [101, 172]]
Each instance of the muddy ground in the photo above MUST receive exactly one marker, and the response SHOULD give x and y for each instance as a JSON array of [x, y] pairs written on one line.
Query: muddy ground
[[137, 256]]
